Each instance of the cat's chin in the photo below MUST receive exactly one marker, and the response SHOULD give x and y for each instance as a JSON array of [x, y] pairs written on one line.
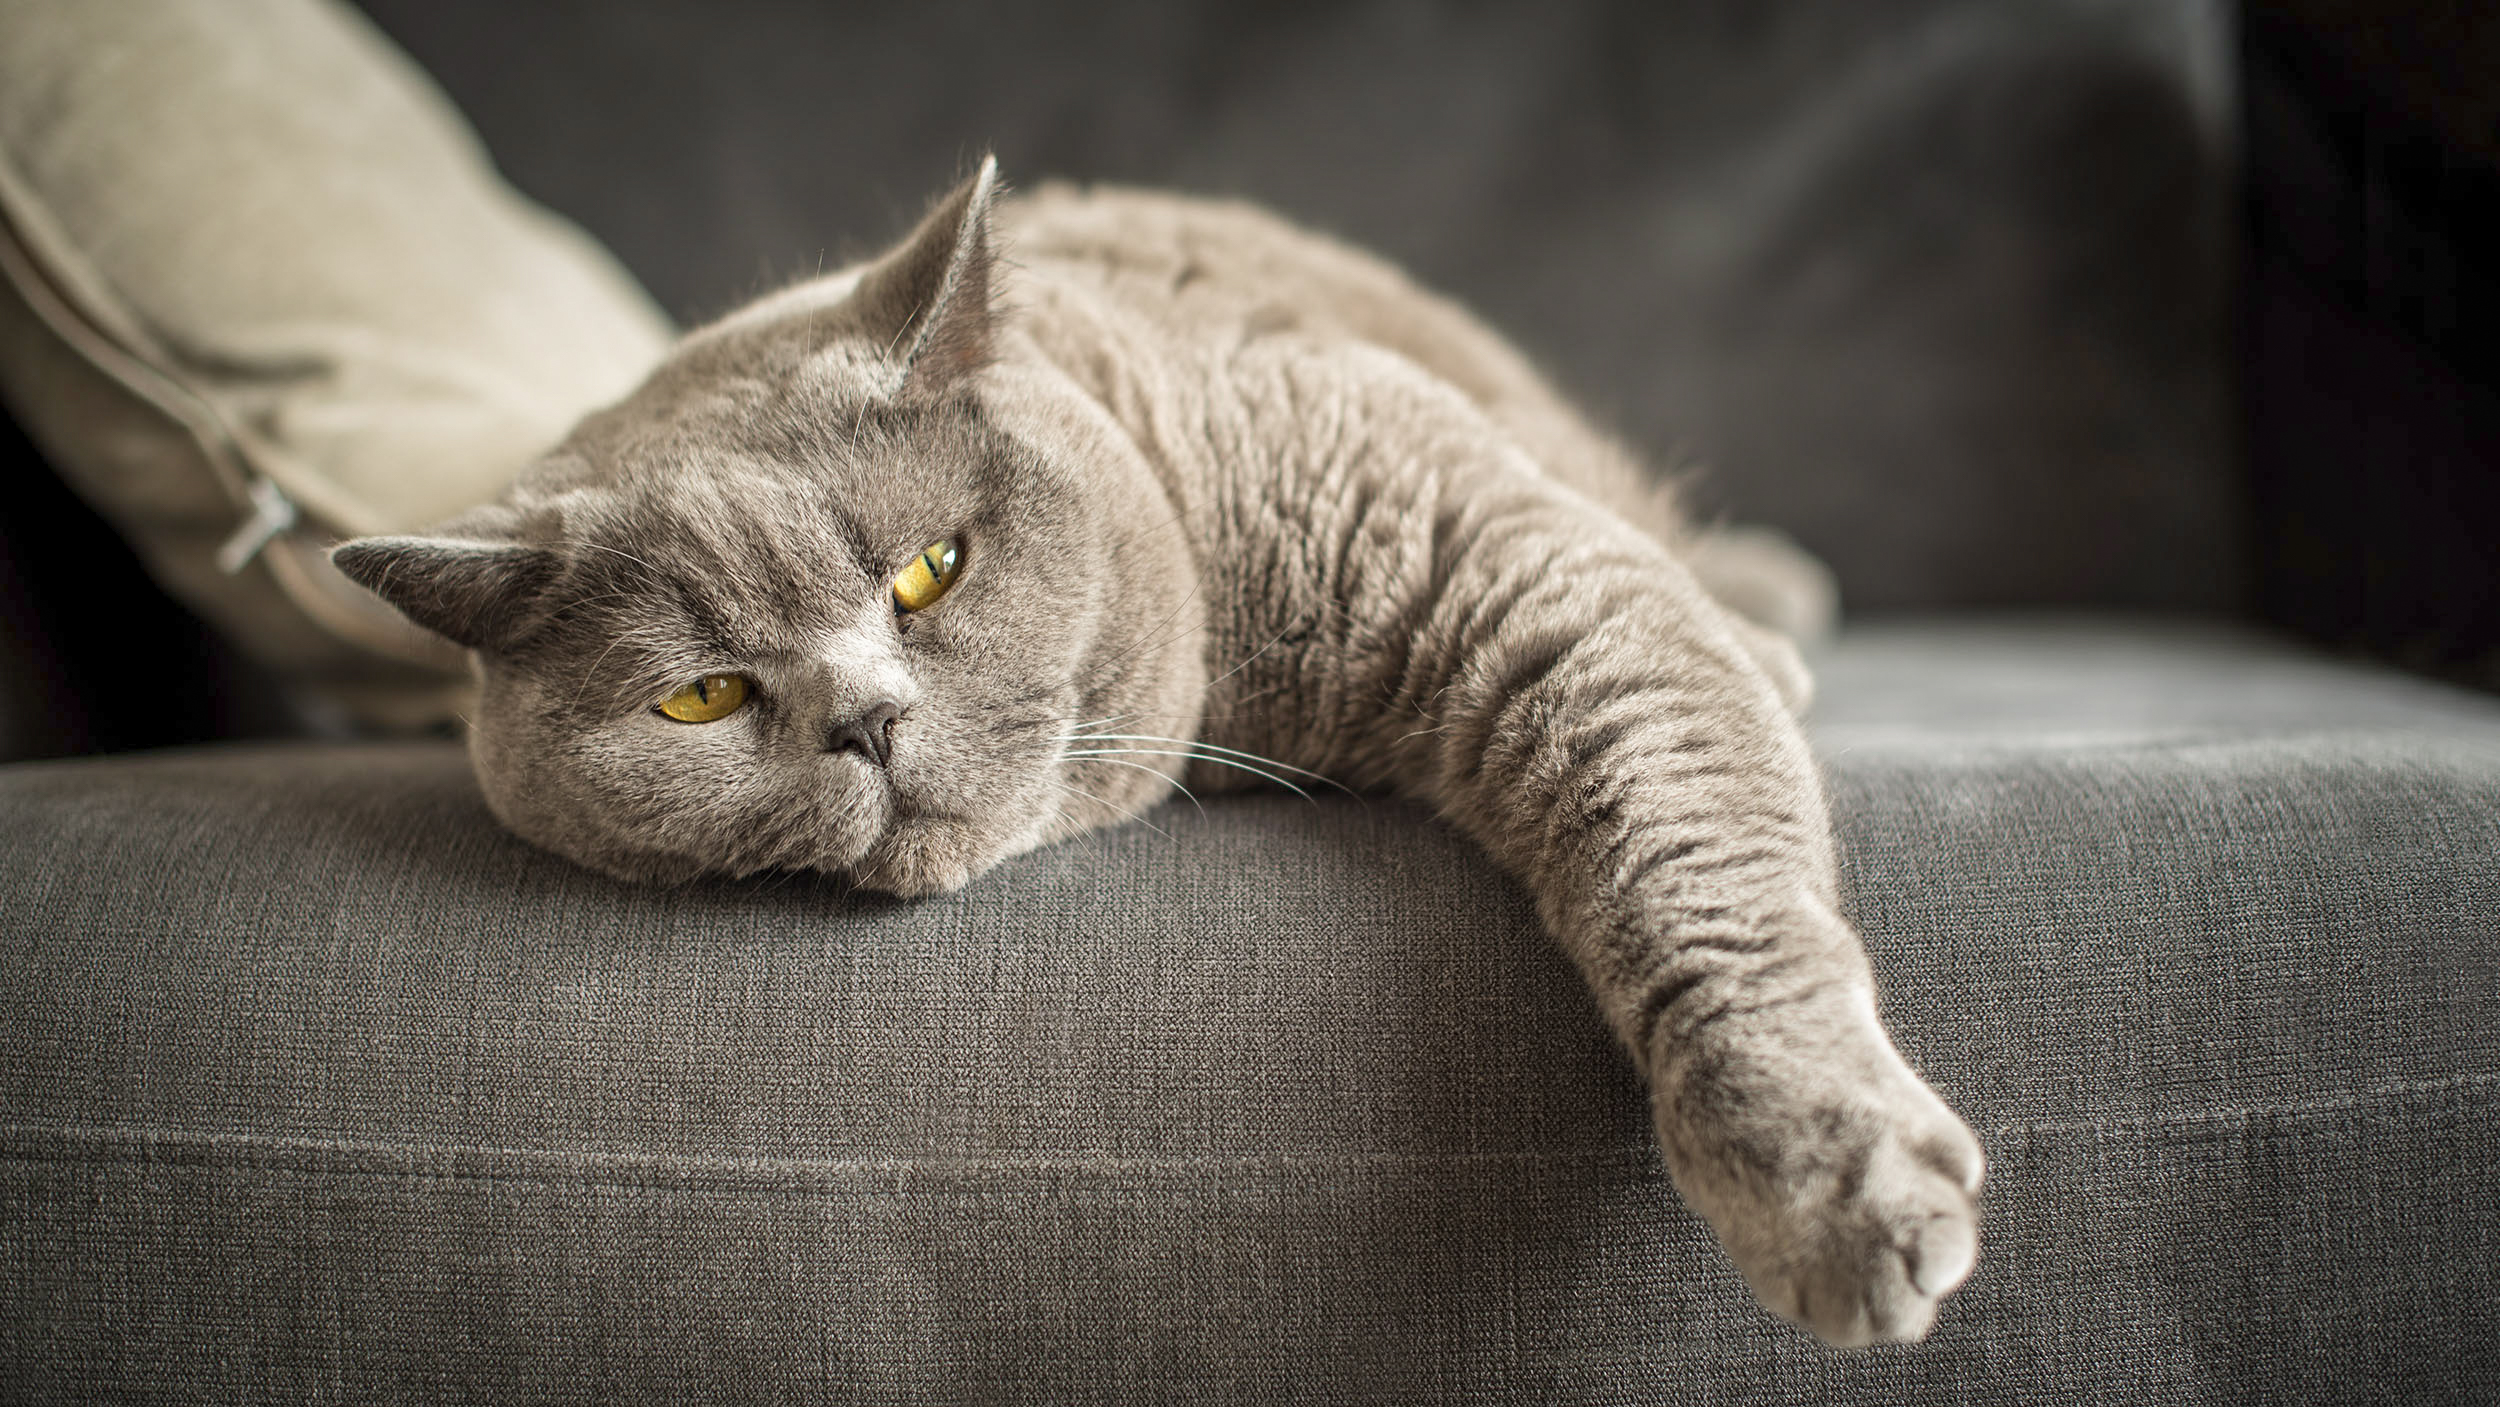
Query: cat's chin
[[915, 857], [915, 881], [915, 873], [937, 856]]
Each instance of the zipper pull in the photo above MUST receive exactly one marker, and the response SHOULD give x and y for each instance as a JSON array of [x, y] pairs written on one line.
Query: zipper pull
[[272, 513]]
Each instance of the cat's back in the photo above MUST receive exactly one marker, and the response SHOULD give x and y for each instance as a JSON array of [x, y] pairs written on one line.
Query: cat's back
[[1206, 267], [1215, 272]]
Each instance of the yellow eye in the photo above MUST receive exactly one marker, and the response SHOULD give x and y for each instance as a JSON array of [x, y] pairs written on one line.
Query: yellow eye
[[929, 575], [707, 700]]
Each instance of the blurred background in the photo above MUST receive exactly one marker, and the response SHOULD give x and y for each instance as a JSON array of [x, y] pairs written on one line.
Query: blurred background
[[1938, 285], [2000, 304]]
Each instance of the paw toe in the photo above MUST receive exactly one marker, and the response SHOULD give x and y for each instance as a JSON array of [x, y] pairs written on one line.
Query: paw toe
[[1942, 1254]]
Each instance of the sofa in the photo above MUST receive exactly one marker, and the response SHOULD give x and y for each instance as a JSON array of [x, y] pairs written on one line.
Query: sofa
[[317, 1086]]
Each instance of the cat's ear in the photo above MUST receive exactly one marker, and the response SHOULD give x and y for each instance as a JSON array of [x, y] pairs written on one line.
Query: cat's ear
[[470, 581], [929, 299]]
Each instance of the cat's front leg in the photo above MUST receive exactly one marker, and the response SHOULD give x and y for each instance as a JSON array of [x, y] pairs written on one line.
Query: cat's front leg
[[1563, 690]]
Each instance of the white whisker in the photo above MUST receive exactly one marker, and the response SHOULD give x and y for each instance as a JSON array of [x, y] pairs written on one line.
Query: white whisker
[[1151, 640], [613, 552], [1196, 757], [1203, 748], [1142, 767], [1099, 801], [593, 671], [1248, 659], [593, 600], [1101, 722]]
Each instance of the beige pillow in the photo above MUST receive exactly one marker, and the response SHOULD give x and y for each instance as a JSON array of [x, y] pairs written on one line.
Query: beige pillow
[[262, 289]]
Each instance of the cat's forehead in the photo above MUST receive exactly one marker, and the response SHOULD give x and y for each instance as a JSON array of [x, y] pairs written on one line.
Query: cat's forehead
[[661, 588], [703, 463], [727, 512], [773, 520]]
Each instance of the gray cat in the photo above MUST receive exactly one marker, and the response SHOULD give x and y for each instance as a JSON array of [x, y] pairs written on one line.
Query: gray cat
[[906, 570]]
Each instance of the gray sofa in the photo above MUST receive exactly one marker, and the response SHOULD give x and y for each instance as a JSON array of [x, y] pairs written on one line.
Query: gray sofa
[[315, 1086]]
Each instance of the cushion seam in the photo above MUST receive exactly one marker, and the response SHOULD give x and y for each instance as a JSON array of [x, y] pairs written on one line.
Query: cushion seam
[[175, 1147]]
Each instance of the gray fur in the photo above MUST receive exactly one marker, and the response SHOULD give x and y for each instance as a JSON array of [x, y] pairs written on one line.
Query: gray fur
[[1222, 483]]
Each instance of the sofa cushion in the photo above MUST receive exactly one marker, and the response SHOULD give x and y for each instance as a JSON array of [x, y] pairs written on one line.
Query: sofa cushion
[[259, 287], [311, 1078]]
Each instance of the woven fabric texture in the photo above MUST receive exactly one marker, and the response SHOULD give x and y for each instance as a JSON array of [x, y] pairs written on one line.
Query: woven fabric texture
[[314, 1085]]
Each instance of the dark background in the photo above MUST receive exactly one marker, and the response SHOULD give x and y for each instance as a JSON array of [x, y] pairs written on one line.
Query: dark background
[[2372, 326], [1992, 303]]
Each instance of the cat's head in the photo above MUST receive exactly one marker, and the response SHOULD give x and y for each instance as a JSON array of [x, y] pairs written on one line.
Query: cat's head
[[829, 591]]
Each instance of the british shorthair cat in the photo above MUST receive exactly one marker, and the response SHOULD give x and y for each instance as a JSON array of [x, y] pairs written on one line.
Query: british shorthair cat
[[911, 568]]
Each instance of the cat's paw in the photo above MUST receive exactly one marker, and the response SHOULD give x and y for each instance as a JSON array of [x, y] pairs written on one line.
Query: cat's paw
[[1843, 1188], [1864, 1257]]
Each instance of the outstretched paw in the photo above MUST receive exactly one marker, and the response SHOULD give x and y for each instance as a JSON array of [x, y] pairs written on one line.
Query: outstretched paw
[[1870, 1263], [1844, 1189]]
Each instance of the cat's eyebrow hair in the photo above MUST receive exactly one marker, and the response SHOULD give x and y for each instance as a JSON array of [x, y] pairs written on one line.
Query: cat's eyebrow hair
[[995, 472], [775, 556], [866, 555], [706, 622]]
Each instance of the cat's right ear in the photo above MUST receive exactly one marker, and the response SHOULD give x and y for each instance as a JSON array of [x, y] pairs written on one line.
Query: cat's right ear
[[930, 300], [467, 582]]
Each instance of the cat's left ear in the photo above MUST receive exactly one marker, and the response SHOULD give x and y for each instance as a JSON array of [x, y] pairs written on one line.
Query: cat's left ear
[[930, 298], [471, 581]]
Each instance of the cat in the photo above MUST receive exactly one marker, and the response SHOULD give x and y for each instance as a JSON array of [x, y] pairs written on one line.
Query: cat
[[907, 569]]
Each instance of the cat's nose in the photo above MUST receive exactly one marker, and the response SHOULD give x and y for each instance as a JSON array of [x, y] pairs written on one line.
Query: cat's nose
[[871, 735]]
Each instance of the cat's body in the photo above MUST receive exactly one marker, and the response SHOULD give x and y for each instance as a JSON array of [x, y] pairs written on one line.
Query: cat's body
[[1224, 495]]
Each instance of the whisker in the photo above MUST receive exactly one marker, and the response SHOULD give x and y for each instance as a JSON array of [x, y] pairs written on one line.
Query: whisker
[[612, 551], [1197, 757], [1204, 747], [1119, 549], [1151, 640], [1018, 725], [1142, 767], [1125, 656], [1183, 715], [592, 600], [1099, 722], [1100, 801], [592, 672], [1251, 658]]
